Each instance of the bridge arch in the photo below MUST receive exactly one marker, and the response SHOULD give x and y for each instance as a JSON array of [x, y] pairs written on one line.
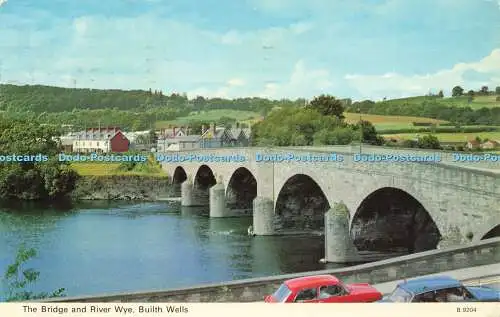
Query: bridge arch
[[301, 204], [203, 180], [241, 190], [390, 219], [178, 177], [492, 233]]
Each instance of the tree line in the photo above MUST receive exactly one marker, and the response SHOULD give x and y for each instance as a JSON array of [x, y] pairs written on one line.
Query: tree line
[[431, 108], [33, 180], [320, 122], [140, 109]]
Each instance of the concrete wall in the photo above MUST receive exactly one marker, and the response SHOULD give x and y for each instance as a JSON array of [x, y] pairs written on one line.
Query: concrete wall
[[250, 290], [460, 199]]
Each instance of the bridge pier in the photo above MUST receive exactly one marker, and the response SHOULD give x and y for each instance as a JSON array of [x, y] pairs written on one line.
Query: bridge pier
[[339, 247], [187, 193], [191, 196], [218, 201], [263, 216]]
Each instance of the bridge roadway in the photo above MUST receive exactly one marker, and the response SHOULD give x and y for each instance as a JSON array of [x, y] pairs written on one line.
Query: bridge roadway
[[446, 156]]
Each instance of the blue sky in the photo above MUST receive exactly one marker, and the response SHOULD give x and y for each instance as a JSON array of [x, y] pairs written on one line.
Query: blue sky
[[268, 48]]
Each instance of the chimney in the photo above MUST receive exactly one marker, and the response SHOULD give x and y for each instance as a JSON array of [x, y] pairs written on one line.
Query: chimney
[[212, 126], [203, 128], [173, 131]]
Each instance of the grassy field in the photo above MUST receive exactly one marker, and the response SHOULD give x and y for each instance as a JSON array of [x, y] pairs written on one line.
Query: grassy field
[[211, 115], [477, 102], [382, 123], [108, 169], [451, 137], [249, 117]]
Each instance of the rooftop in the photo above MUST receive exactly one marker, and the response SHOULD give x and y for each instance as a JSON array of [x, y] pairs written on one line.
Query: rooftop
[[425, 284], [312, 281]]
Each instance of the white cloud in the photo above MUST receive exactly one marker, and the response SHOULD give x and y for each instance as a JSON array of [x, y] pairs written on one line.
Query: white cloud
[[231, 37], [2, 2], [303, 82], [301, 27], [397, 85], [236, 82], [80, 25]]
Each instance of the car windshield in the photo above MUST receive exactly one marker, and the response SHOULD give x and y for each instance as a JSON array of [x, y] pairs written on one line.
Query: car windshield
[[282, 293], [400, 296]]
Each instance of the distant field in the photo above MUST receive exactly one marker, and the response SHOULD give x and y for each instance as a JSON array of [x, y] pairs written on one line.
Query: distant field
[[477, 102], [104, 169], [450, 137], [211, 115], [389, 122], [381, 122]]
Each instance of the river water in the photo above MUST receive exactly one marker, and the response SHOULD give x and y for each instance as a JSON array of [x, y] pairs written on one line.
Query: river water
[[104, 247]]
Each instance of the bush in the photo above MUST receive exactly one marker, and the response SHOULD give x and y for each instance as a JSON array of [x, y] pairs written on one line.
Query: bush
[[18, 279]]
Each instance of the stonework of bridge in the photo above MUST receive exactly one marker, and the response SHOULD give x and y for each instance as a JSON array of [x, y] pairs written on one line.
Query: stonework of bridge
[[379, 207]]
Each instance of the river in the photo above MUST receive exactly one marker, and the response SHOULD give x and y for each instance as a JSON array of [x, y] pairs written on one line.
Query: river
[[93, 248]]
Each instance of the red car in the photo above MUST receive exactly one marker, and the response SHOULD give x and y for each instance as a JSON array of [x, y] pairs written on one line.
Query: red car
[[323, 289]]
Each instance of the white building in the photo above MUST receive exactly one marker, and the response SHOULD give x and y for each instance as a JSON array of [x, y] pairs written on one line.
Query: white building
[[189, 142], [100, 140]]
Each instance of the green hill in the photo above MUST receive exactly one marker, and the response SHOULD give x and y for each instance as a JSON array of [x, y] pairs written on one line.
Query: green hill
[[141, 109], [477, 102]]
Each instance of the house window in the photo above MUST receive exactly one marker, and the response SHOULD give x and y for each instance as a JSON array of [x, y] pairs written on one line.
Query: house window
[[97, 143]]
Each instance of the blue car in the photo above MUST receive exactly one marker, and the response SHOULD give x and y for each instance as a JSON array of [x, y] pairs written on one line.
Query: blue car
[[440, 289]]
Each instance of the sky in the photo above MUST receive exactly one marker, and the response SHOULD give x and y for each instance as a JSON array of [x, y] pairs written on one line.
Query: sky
[[360, 49]]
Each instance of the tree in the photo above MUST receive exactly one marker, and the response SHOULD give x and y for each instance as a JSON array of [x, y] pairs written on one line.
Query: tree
[[369, 133], [328, 106], [497, 90], [457, 91], [429, 141], [441, 94], [471, 93], [18, 279], [484, 90]]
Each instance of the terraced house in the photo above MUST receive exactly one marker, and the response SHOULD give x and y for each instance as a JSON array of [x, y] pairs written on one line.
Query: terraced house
[[101, 140], [178, 139]]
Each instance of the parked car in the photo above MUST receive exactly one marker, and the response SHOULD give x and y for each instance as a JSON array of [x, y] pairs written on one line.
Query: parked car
[[440, 289], [323, 289]]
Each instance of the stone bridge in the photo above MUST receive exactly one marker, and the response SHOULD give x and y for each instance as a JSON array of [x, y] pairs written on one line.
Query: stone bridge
[[403, 207]]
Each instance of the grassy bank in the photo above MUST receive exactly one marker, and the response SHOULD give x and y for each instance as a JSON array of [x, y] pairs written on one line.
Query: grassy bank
[[122, 187], [150, 168]]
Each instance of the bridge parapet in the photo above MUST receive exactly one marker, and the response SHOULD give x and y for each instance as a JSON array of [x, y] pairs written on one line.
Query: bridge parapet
[[471, 176], [251, 290]]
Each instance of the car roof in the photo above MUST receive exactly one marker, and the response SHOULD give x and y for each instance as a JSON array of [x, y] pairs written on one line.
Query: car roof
[[425, 284], [310, 281]]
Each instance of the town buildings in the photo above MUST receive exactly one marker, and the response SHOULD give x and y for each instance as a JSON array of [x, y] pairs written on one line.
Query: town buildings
[[113, 139], [96, 140], [179, 138]]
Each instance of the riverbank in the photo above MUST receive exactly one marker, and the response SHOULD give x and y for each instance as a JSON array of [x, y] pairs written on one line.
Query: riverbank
[[122, 187]]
